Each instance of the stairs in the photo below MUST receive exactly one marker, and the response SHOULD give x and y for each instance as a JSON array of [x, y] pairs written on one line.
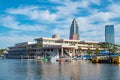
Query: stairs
[[66, 55]]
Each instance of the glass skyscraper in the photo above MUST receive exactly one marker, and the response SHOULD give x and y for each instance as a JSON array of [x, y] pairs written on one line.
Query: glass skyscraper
[[74, 31], [109, 34]]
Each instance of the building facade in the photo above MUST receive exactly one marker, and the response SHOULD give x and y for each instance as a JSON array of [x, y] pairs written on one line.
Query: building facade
[[54, 47], [24, 50], [74, 31], [109, 34]]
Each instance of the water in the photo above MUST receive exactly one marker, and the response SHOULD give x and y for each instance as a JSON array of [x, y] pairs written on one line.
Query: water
[[11, 69]]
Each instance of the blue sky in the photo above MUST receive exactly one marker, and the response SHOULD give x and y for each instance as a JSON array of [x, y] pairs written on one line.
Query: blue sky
[[24, 20]]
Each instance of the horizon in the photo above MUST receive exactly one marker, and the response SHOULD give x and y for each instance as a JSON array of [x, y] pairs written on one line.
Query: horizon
[[24, 20]]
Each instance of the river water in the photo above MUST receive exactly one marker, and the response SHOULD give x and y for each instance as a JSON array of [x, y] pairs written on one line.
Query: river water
[[11, 69]]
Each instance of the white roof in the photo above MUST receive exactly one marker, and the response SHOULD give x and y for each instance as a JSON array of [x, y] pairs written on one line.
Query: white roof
[[42, 38], [24, 43], [68, 40], [89, 42]]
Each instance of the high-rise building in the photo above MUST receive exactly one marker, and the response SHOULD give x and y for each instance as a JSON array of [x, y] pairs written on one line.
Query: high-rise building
[[74, 31], [109, 34]]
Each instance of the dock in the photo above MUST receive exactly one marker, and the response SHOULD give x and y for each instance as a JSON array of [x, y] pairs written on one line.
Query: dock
[[106, 59]]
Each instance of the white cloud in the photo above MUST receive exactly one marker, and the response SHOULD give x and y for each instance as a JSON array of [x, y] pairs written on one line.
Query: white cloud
[[44, 15], [85, 2], [70, 8], [95, 1], [34, 13], [21, 10], [7, 41], [96, 32], [64, 32], [67, 10], [115, 9], [60, 1], [117, 28], [92, 31], [10, 22], [101, 16]]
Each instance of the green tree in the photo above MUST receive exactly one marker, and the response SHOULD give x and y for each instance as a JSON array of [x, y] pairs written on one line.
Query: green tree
[[97, 51], [105, 45], [89, 51], [114, 48], [3, 52], [72, 44], [79, 49], [38, 45], [25, 47]]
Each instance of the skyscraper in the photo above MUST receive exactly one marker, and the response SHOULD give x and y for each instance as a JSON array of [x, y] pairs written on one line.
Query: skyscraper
[[74, 31], [109, 34]]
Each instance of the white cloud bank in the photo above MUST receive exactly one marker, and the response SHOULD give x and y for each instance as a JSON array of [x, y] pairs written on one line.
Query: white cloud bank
[[7, 41], [10, 22], [33, 13]]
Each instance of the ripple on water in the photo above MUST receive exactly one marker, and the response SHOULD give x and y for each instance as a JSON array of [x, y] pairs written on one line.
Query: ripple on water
[[12, 69]]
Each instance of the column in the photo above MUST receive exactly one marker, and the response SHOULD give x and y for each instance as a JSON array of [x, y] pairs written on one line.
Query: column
[[61, 51], [73, 52], [57, 51]]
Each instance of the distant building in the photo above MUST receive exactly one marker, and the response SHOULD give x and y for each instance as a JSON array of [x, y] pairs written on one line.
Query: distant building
[[109, 34], [74, 30]]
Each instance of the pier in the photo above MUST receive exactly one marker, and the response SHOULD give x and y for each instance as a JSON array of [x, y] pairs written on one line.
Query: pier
[[106, 59]]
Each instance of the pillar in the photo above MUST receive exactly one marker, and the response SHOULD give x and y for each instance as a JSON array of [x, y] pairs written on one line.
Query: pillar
[[61, 51], [73, 52]]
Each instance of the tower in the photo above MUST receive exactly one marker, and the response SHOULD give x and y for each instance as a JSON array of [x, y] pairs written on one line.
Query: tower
[[109, 34], [74, 31]]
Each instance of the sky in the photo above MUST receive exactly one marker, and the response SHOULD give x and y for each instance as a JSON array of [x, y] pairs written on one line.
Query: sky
[[25, 20]]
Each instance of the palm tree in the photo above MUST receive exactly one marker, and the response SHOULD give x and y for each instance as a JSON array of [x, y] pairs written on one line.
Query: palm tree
[[79, 49], [89, 51], [25, 47], [97, 51], [72, 44], [105, 45], [27, 50], [38, 45], [3, 52], [114, 48], [110, 47]]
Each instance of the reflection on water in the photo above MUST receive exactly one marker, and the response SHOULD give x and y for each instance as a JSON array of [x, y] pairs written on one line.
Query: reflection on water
[[77, 70]]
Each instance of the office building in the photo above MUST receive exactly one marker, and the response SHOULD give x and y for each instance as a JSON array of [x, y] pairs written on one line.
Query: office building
[[74, 30], [109, 34]]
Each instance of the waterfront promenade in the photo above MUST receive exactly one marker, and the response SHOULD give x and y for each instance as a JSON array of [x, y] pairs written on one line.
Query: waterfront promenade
[[11, 69]]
